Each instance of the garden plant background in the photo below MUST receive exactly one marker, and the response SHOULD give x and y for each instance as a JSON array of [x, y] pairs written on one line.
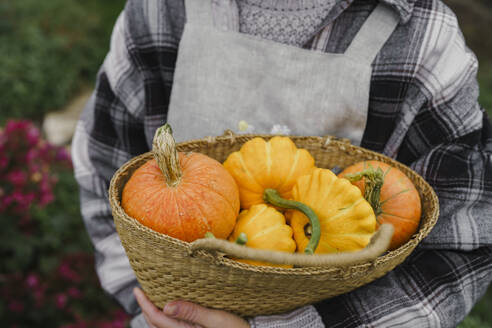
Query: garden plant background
[[50, 52]]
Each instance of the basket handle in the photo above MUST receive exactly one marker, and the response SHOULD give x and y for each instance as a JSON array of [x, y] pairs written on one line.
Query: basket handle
[[378, 245]]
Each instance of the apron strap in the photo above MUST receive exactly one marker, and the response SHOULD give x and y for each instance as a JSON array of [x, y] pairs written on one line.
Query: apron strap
[[373, 34], [223, 14], [199, 12]]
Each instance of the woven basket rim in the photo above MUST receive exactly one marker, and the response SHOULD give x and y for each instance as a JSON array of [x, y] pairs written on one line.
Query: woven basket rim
[[342, 144]]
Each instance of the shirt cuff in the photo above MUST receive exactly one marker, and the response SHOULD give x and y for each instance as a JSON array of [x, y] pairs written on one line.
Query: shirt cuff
[[306, 316]]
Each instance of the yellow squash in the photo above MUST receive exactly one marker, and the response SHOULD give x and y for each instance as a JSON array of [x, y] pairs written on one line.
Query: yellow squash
[[346, 219], [274, 164], [265, 228]]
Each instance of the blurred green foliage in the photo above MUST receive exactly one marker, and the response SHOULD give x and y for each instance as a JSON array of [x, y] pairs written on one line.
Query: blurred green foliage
[[481, 315], [485, 81], [474, 322], [50, 49], [475, 19]]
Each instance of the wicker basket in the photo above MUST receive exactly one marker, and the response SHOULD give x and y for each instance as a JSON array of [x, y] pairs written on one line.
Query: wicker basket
[[170, 269]]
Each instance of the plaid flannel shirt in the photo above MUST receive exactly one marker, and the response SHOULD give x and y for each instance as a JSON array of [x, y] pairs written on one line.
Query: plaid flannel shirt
[[423, 111]]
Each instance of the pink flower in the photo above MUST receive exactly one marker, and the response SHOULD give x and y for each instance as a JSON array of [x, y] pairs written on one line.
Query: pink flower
[[32, 135], [46, 198], [117, 324], [74, 292], [22, 202], [3, 140], [67, 273], [6, 201], [44, 185], [32, 280], [16, 306], [121, 315], [14, 126], [46, 151], [17, 178], [45, 189], [61, 300], [31, 155], [62, 155], [29, 197], [119, 320], [4, 162], [19, 197]]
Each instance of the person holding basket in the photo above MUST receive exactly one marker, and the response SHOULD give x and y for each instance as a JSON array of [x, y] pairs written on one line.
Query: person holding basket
[[393, 76]]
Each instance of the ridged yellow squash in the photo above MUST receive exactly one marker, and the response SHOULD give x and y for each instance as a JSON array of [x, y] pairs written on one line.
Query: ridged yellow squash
[[274, 164], [347, 220], [265, 228]]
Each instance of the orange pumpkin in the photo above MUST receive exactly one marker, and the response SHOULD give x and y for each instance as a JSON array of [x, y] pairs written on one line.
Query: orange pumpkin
[[397, 202], [183, 196]]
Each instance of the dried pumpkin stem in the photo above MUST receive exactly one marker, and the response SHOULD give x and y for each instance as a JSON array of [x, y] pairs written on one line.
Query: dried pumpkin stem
[[166, 155], [273, 197], [373, 179]]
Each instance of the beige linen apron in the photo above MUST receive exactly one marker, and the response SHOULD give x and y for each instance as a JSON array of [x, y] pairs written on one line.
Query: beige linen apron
[[229, 80]]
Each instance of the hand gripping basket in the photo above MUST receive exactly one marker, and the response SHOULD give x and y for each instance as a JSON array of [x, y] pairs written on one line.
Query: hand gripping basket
[[201, 272]]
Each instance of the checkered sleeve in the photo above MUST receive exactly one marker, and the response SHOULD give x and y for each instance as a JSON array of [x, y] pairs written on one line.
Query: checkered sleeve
[[447, 138], [109, 132]]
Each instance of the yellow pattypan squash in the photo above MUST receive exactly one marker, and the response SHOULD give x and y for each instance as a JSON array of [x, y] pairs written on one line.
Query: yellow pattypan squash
[[261, 164], [347, 220], [265, 228]]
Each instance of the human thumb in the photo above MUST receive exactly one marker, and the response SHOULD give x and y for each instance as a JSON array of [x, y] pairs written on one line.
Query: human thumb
[[202, 316], [191, 312]]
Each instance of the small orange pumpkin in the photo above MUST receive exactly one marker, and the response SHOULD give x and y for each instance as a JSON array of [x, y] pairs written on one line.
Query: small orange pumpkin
[[183, 196], [397, 202]]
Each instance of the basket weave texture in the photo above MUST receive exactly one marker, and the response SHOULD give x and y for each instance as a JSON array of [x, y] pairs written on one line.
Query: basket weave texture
[[169, 269]]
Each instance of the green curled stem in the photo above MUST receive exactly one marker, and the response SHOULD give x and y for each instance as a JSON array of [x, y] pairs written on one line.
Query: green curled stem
[[272, 196], [374, 179]]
